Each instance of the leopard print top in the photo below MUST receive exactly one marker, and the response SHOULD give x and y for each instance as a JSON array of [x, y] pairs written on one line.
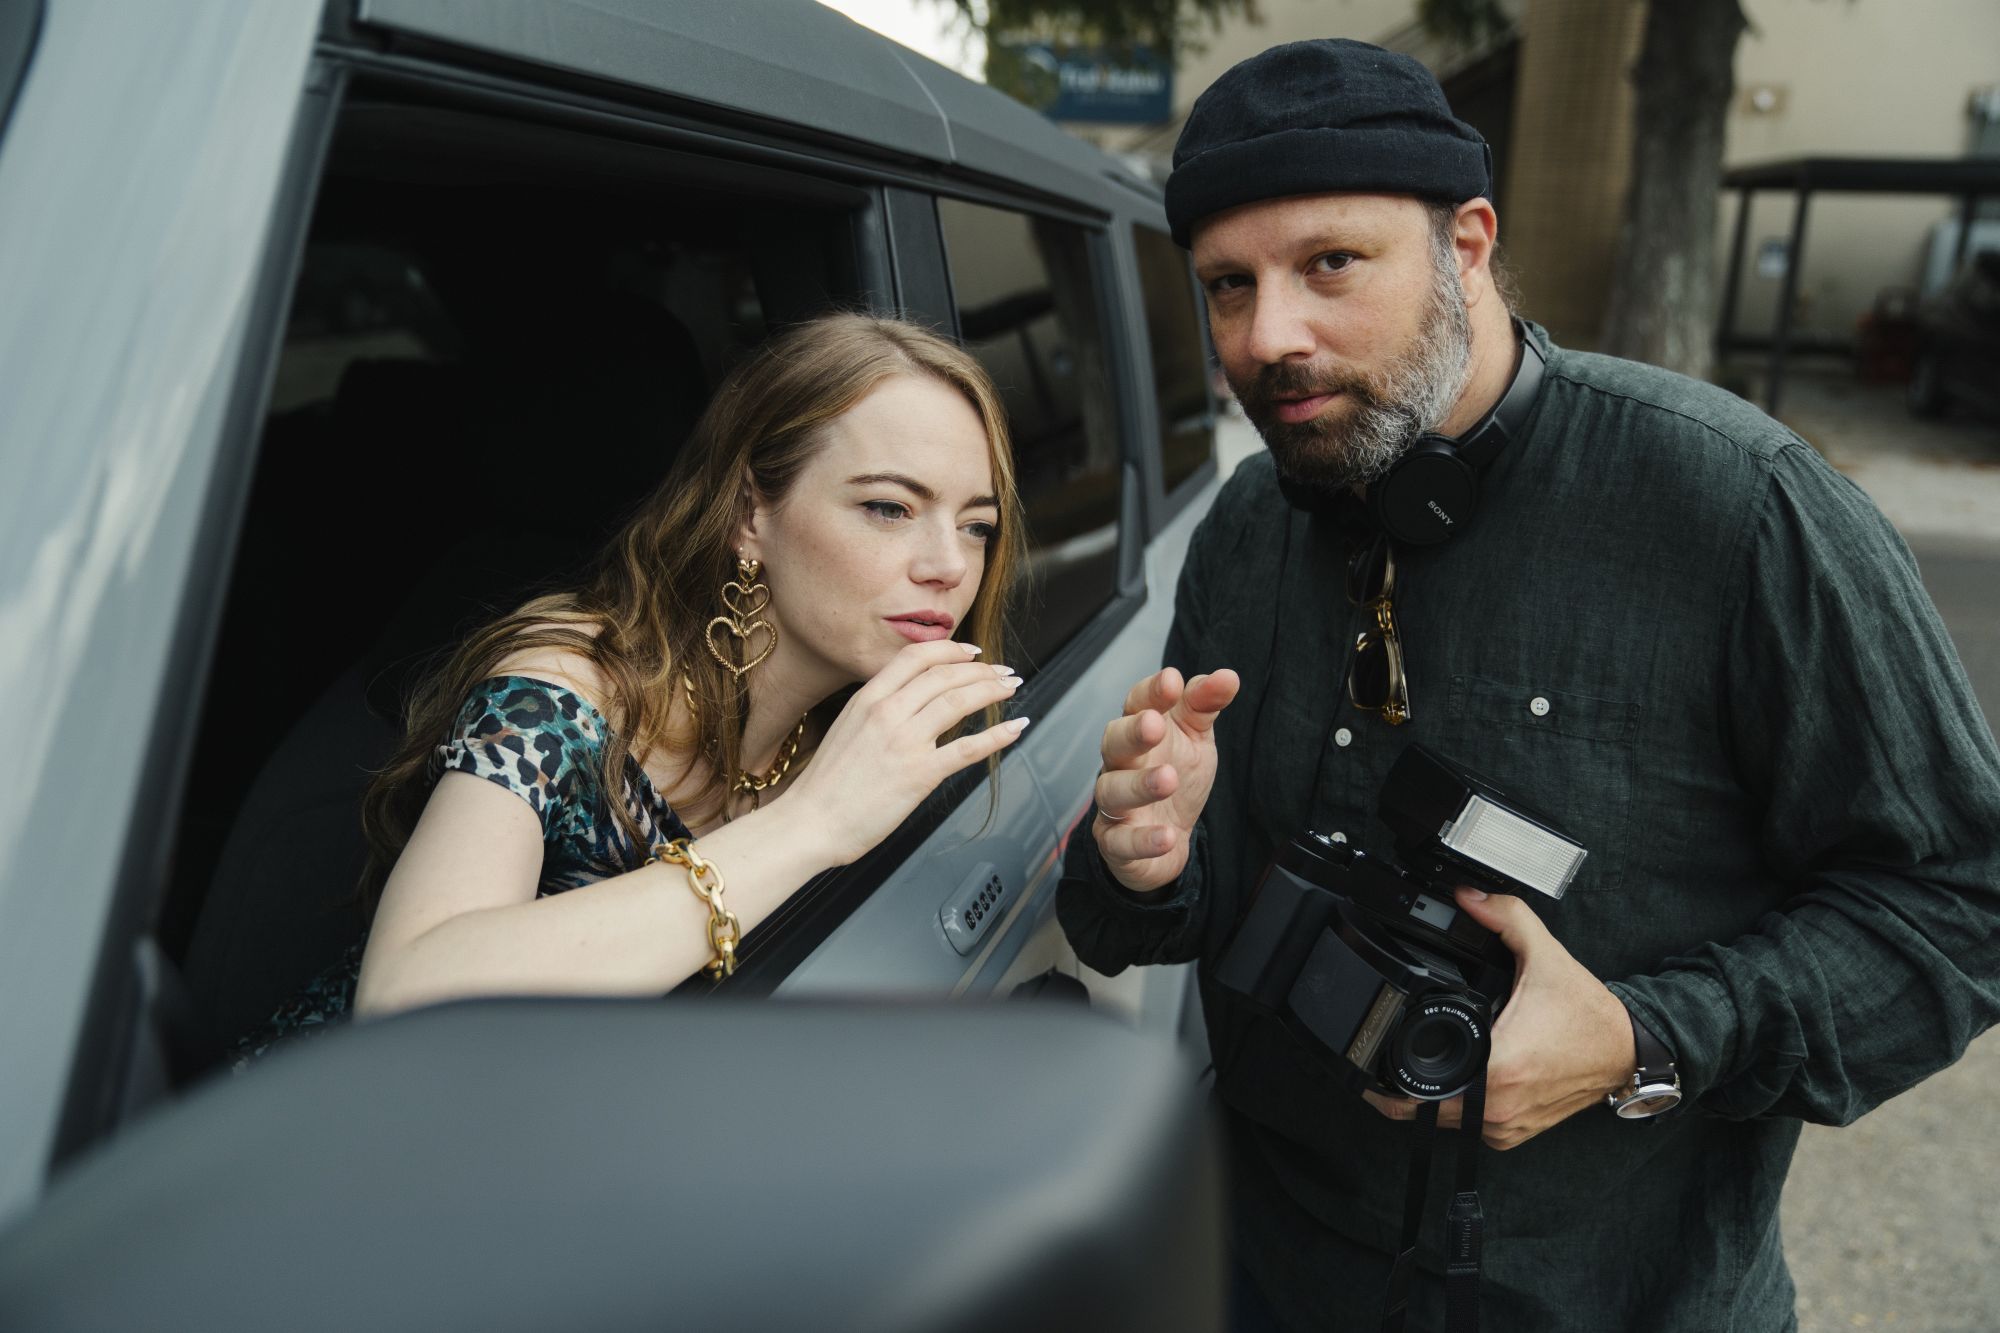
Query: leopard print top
[[541, 742], [544, 744]]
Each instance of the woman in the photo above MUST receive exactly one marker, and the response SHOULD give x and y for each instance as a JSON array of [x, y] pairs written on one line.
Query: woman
[[602, 791]]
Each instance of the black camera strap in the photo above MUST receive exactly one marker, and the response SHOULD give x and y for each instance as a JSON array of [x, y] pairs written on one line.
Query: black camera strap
[[1465, 1221], [1404, 1272]]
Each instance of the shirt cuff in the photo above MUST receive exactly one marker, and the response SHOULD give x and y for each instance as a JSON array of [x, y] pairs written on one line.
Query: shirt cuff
[[1691, 1014], [1086, 862]]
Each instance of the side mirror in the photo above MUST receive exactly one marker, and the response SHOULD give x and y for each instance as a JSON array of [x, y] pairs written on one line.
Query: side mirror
[[609, 1165]]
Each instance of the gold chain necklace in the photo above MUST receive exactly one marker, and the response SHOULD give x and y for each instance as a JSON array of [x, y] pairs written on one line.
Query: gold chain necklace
[[756, 784]]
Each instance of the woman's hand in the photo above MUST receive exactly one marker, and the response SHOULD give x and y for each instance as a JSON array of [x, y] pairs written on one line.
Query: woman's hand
[[1159, 765], [881, 755]]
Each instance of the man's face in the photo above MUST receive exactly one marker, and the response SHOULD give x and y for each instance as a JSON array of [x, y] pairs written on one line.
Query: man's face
[[1341, 325]]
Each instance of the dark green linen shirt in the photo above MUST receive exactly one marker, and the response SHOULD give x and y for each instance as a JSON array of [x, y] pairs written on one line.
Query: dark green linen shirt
[[1756, 723]]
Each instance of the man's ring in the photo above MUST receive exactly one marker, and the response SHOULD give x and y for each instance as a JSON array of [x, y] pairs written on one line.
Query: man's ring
[[1109, 818]]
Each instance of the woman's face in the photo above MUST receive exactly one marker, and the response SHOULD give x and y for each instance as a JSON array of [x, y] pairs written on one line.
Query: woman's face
[[883, 538]]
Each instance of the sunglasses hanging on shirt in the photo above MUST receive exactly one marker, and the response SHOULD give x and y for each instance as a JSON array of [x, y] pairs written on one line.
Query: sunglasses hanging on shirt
[[1376, 682]]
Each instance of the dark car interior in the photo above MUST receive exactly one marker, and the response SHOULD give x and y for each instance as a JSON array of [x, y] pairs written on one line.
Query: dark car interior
[[483, 370]]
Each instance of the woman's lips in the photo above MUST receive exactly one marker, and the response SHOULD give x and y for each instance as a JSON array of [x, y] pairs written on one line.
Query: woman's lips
[[917, 631], [1294, 410]]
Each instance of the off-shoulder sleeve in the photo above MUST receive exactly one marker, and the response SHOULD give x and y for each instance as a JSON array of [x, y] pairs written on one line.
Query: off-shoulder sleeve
[[536, 739]]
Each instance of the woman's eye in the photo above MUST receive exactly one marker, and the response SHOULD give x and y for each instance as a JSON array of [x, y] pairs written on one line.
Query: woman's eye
[[984, 533], [886, 508]]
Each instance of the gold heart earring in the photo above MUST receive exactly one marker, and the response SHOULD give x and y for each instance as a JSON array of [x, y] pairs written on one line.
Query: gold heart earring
[[745, 599]]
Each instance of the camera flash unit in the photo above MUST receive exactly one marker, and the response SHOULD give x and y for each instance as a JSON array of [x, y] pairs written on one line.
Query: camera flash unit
[[1447, 813]]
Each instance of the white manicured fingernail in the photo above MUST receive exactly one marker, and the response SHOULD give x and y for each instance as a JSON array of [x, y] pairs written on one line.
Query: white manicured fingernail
[[999, 670], [972, 649], [1019, 724]]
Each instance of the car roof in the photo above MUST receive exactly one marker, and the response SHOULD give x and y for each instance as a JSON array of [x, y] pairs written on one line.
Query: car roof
[[791, 61]]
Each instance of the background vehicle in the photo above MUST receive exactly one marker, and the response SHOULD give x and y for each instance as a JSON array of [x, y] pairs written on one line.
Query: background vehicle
[[1958, 343], [310, 309]]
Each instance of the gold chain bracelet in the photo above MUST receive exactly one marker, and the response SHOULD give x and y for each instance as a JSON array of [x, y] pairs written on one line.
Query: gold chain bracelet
[[723, 929]]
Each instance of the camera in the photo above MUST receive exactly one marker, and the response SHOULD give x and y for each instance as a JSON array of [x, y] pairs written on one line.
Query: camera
[[1372, 961]]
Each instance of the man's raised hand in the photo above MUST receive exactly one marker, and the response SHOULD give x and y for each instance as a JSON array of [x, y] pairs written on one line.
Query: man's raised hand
[[1159, 766]]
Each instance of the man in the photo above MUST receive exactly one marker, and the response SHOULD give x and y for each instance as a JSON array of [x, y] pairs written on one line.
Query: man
[[1666, 622]]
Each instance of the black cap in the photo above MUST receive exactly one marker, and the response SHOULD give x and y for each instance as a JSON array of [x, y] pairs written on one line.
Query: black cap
[[1329, 114]]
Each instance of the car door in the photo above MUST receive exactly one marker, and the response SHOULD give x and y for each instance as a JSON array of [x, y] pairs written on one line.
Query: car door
[[474, 266]]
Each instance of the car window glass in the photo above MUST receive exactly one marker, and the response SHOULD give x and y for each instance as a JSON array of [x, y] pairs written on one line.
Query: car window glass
[[1179, 355], [1028, 308]]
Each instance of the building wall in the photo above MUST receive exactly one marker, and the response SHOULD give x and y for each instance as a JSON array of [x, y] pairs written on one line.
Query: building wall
[[1279, 21], [1855, 78], [1289, 21]]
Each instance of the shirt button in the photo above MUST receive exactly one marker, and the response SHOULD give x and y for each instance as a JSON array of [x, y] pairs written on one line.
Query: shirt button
[[1343, 738], [1538, 706], [1336, 837]]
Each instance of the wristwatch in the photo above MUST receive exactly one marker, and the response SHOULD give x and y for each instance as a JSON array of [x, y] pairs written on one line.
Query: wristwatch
[[1655, 1086]]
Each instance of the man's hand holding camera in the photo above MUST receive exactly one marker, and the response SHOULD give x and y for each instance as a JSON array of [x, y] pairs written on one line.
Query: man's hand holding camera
[[1159, 765], [1561, 1043]]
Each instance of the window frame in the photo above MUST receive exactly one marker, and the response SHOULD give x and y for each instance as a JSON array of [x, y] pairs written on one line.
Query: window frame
[[776, 176], [111, 1075]]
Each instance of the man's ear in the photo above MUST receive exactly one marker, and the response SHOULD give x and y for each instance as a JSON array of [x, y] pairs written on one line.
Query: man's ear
[[1475, 231]]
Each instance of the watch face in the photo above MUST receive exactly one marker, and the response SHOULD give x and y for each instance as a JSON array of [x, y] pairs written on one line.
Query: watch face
[[1649, 1100]]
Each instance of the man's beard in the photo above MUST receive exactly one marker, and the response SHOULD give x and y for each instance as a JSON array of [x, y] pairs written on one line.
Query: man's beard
[[1357, 440]]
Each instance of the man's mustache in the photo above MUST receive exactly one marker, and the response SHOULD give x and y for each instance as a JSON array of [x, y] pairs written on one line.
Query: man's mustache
[[1289, 379]]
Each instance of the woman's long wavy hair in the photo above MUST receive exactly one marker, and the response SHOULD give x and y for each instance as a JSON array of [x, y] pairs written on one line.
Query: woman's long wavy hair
[[641, 615]]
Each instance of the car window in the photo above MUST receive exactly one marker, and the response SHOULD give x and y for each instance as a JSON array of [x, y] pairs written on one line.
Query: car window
[[496, 342], [1179, 356], [1028, 307]]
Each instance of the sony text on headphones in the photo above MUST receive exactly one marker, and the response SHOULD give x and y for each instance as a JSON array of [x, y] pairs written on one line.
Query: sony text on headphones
[[1433, 489]]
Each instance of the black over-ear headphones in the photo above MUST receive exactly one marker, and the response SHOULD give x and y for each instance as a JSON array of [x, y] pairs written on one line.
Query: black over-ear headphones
[[1433, 489]]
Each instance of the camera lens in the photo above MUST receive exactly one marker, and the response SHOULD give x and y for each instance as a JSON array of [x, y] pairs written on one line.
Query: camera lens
[[1436, 1045], [1440, 1046]]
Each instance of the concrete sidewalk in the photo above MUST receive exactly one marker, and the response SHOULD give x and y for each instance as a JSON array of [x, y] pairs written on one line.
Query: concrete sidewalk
[[1938, 481]]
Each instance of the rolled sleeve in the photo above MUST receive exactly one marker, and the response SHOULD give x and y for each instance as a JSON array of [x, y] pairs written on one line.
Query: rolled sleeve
[[1112, 927], [1853, 722]]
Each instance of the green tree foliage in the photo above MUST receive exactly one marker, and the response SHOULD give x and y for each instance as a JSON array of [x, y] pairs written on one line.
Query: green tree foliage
[[1167, 27]]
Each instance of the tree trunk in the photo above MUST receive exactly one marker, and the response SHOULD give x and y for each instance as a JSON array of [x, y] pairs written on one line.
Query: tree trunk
[[1663, 286]]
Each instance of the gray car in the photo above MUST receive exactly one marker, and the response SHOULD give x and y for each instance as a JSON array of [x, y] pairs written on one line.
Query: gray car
[[326, 329]]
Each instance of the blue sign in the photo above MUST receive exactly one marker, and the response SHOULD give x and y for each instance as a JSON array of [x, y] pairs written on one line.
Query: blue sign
[[1128, 86]]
